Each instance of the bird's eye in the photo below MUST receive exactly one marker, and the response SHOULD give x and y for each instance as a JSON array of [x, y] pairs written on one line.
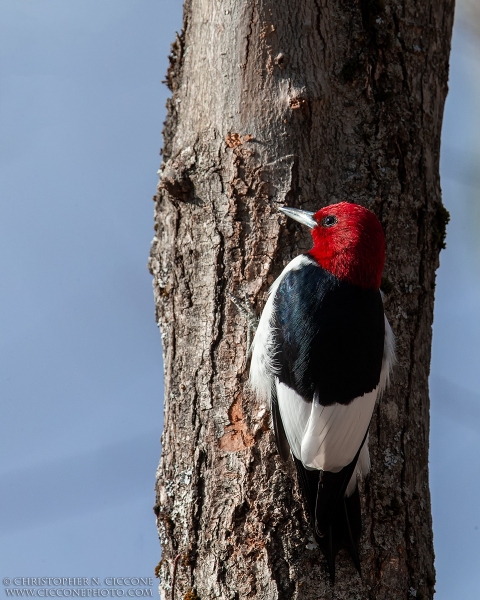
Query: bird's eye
[[329, 221]]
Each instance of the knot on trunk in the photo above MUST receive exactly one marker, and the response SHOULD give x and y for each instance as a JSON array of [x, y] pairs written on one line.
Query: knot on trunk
[[175, 175]]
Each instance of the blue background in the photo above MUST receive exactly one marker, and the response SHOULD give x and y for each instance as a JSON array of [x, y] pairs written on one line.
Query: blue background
[[81, 114]]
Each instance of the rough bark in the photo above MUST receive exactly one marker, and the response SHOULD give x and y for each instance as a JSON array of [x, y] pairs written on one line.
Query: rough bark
[[301, 103]]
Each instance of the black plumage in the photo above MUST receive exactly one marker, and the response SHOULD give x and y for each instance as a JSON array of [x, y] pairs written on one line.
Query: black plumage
[[328, 336]]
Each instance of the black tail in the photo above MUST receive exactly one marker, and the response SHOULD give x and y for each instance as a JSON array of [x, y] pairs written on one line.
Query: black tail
[[335, 519], [343, 532]]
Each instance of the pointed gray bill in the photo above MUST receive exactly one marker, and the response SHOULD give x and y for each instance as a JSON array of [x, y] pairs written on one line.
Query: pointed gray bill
[[305, 217]]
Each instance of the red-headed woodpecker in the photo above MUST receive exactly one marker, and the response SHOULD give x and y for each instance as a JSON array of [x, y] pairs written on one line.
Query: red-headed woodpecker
[[321, 356]]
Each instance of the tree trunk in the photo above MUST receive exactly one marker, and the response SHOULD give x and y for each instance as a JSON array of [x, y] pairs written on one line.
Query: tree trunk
[[303, 104]]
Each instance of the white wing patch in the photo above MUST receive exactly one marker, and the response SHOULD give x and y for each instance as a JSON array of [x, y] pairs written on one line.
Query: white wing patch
[[295, 413], [324, 437], [335, 433]]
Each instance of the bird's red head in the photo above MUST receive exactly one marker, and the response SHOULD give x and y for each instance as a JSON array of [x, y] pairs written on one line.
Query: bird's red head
[[348, 241]]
